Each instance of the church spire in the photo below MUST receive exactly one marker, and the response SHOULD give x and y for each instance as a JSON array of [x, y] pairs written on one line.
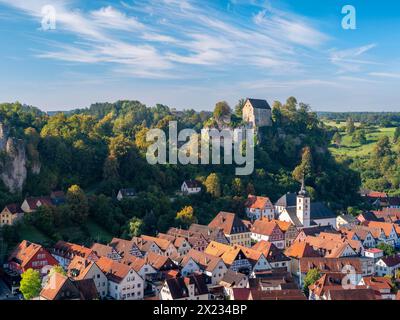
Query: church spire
[[303, 191]]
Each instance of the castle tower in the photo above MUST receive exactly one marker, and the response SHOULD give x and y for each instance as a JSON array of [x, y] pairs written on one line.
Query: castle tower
[[303, 206]]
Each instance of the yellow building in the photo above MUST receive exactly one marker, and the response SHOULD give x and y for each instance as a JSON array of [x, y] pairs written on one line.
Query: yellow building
[[10, 214]]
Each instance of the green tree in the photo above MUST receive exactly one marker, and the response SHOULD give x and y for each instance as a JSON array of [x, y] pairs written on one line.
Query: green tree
[[337, 138], [360, 137], [387, 249], [213, 185], [350, 127], [30, 285], [57, 269], [250, 189], [110, 169], [396, 135], [135, 227], [304, 169], [239, 108], [383, 147], [221, 110], [311, 277], [186, 216], [78, 204], [237, 186]]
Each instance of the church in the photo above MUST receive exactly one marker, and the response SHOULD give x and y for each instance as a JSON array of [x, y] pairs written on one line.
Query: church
[[299, 210]]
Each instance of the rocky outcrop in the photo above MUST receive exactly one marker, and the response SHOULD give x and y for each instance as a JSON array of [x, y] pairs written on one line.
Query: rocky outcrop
[[13, 171]]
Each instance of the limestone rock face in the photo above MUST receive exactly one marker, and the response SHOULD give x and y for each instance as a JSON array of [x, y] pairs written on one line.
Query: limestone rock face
[[14, 172]]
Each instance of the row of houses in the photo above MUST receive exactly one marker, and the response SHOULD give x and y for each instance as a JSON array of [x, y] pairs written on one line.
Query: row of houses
[[230, 258], [14, 212]]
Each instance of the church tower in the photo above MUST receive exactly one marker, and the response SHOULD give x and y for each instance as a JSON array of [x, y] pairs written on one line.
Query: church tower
[[303, 206]]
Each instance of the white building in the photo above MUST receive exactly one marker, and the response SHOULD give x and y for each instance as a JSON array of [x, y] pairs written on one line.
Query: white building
[[83, 269], [388, 266], [259, 207], [300, 211], [192, 287], [124, 283], [190, 187]]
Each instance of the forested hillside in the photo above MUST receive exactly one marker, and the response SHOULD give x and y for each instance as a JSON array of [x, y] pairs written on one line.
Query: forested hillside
[[93, 152], [370, 147]]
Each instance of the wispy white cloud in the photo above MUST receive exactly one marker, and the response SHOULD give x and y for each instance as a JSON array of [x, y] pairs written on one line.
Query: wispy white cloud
[[292, 28], [385, 75], [167, 36], [350, 60]]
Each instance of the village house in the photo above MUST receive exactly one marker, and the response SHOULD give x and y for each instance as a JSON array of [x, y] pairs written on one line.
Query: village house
[[167, 247], [358, 267], [257, 113], [160, 262], [210, 233], [181, 244], [259, 207], [234, 228], [190, 187], [64, 252], [11, 214], [125, 248], [213, 267], [297, 251], [60, 287], [383, 285], [28, 255], [274, 280], [140, 265], [129, 193], [300, 211], [102, 250], [328, 281], [390, 215], [268, 230], [147, 246], [314, 232], [373, 253], [361, 234], [81, 268], [387, 232], [32, 204], [330, 246], [196, 240], [345, 220], [188, 265], [124, 283], [388, 266], [331, 285], [239, 258], [232, 280], [274, 256], [192, 287]]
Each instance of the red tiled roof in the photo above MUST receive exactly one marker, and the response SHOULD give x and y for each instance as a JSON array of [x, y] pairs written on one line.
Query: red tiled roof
[[261, 203]]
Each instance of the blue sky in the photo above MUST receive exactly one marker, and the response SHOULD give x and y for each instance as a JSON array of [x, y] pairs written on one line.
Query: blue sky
[[191, 54]]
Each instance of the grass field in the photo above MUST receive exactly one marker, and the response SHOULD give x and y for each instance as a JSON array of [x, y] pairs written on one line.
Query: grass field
[[30, 233], [350, 149], [73, 234], [98, 232]]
